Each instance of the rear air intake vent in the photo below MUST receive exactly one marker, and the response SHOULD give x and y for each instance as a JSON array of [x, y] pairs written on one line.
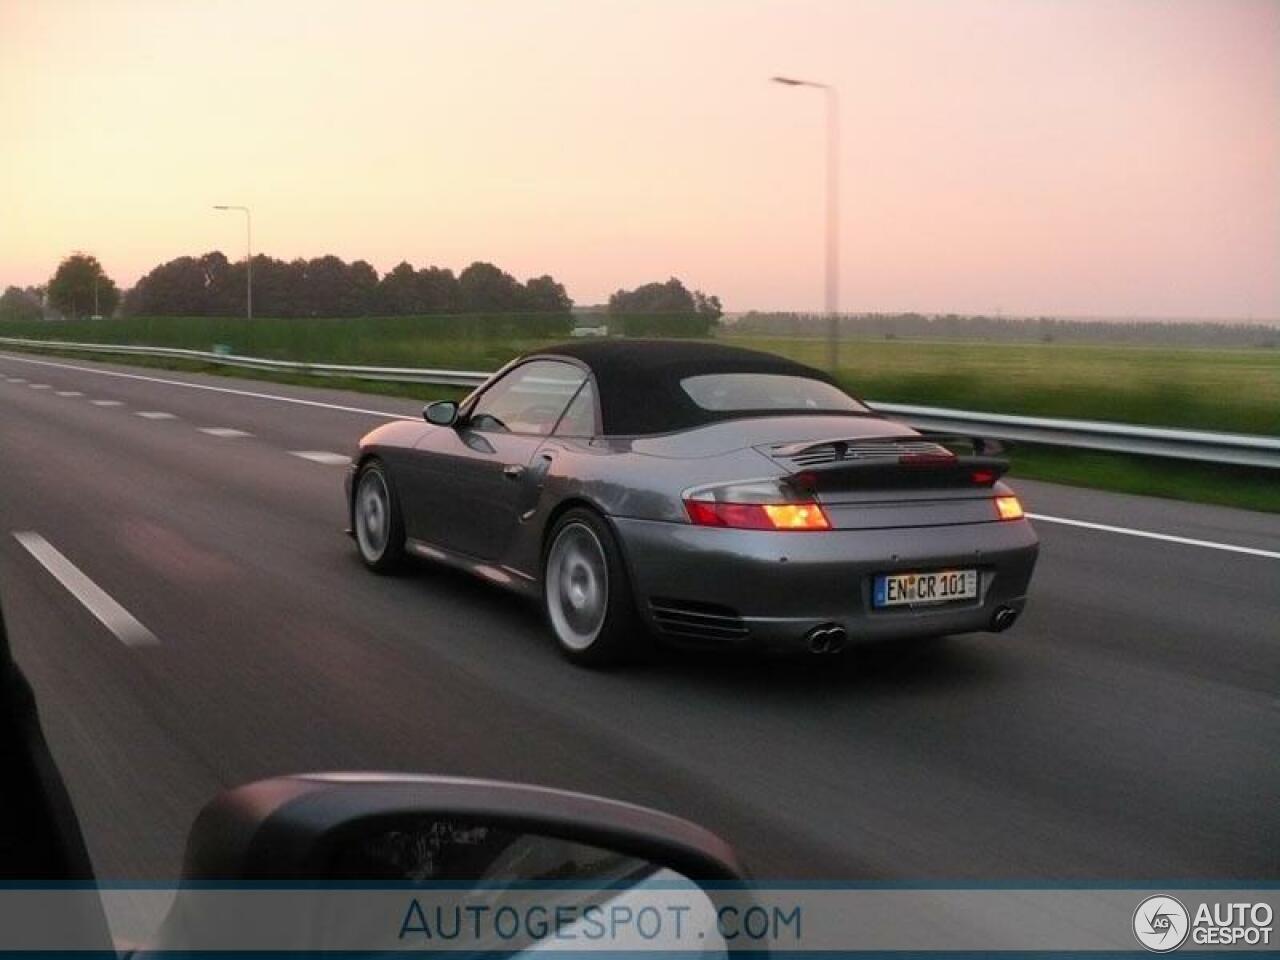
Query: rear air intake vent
[[690, 620], [835, 451]]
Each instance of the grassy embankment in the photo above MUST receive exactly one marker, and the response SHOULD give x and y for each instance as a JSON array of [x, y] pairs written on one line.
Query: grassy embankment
[[1233, 390]]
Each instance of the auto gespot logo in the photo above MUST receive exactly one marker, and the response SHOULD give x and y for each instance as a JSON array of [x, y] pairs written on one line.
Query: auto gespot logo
[[1161, 923]]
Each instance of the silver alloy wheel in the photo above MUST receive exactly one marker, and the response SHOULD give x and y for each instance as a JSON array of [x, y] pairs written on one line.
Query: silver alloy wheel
[[373, 515], [576, 586]]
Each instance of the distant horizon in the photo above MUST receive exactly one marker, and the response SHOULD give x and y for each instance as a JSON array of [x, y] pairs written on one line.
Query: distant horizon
[[732, 314]]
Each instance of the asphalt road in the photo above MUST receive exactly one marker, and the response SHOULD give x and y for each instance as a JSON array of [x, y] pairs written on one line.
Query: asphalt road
[[1127, 729]]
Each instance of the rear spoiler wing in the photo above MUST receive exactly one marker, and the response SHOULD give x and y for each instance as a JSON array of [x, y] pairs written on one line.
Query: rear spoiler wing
[[906, 473], [980, 446], [921, 459]]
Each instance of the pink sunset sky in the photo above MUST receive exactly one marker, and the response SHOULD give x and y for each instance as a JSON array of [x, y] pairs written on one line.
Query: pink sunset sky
[[1077, 157]]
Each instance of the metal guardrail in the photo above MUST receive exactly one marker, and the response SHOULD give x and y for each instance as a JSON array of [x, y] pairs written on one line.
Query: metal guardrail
[[448, 378], [1238, 449]]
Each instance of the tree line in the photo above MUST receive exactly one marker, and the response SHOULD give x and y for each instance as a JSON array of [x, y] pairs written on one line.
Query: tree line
[[212, 286]]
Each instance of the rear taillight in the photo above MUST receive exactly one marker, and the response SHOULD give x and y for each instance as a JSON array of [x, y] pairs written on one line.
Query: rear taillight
[[757, 516], [754, 505], [1008, 508]]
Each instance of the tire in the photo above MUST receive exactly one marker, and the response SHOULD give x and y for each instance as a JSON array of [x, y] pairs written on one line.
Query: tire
[[376, 519], [586, 593]]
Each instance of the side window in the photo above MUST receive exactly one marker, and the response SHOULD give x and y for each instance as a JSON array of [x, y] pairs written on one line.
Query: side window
[[529, 399], [580, 419]]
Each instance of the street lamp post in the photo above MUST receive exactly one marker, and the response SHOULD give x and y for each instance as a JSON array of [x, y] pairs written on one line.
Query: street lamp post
[[833, 212], [248, 235]]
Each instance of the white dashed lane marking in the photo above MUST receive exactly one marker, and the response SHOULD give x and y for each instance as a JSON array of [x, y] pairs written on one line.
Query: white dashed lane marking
[[70, 393], [107, 403], [38, 386], [321, 456], [253, 394], [97, 601], [226, 433], [155, 415]]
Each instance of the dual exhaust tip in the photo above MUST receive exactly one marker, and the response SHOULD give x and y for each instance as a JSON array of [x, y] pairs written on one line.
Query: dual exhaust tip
[[826, 638], [831, 637]]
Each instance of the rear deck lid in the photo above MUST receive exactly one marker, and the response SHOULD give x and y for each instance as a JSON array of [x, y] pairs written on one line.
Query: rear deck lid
[[903, 481]]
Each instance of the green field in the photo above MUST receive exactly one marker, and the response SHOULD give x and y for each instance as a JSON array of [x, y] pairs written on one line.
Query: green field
[[478, 343], [1234, 390]]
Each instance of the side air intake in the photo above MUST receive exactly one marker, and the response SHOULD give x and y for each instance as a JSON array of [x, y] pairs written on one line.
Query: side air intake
[[696, 622]]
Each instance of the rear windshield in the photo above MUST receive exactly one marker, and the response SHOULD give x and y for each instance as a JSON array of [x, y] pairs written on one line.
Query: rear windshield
[[734, 392]]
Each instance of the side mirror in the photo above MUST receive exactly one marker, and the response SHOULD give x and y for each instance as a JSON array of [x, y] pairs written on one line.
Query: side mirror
[[443, 413], [329, 826], [418, 839]]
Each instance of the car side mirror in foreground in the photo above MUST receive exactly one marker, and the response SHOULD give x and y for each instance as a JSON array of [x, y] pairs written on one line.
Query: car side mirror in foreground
[[443, 413], [377, 859]]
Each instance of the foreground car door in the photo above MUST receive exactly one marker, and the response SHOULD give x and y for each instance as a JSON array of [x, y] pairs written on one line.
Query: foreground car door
[[481, 476]]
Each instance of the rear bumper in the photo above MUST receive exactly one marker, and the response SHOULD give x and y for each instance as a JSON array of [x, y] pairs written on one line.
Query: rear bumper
[[712, 587]]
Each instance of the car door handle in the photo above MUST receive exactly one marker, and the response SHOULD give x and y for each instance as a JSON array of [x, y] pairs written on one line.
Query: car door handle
[[513, 471]]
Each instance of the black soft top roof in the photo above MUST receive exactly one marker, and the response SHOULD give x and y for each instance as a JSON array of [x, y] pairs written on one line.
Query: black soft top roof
[[638, 381]]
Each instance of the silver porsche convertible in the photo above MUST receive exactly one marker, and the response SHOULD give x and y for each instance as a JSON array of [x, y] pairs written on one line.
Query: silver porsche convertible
[[697, 493]]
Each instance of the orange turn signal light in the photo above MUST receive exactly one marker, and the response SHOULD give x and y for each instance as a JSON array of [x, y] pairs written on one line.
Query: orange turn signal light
[[1009, 508], [796, 516]]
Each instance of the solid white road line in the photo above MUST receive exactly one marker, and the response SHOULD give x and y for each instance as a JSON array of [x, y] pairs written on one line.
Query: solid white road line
[[252, 394], [1149, 535], [70, 393], [227, 433], [107, 403], [154, 415], [321, 456], [97, 601]]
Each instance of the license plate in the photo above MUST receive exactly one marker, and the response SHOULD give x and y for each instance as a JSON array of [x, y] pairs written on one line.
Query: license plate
[[894, 589]]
